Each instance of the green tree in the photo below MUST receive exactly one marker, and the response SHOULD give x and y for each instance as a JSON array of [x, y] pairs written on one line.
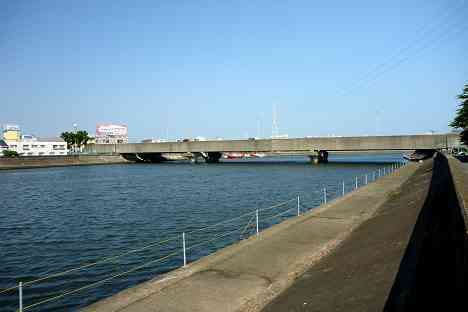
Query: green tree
[[10, 154], [75, 140], [461, 120], [81, 138], [68, 137]]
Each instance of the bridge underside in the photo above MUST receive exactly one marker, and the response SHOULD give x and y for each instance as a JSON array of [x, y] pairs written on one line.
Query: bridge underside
[[144, 157], [316, 157]]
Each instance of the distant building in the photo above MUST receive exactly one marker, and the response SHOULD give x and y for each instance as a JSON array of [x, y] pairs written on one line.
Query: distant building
[[280, 136], [111, 134], [153, 141], [3, 147], [11, 133], [31, 146]]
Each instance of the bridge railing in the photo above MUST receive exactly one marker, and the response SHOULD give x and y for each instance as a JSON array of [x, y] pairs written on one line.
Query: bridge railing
[[182, 248]]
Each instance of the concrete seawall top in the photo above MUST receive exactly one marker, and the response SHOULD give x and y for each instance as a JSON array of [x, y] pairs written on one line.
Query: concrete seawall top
[[248, 275], [28, 162]]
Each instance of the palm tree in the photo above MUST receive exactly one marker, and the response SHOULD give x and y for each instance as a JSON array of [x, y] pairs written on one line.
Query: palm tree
[[75, 140], [68, 137]]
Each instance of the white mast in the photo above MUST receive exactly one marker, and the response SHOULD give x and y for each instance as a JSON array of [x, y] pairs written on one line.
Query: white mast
[[274, 129]]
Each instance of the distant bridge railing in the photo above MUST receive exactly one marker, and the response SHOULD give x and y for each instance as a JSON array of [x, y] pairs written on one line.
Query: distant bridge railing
[[243, 226]]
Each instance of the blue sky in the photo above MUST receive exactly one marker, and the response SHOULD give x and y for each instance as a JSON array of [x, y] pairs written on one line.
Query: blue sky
[[216, 68]]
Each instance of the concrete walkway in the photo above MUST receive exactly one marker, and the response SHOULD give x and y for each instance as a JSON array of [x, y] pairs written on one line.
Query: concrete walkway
[[360, 273], [246, 276]]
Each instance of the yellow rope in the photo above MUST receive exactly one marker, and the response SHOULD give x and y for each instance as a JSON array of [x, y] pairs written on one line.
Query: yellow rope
[[104, 260], [277, 215], [213, 239], [239, 217], [99, 282], [107, 259], [8, 289]]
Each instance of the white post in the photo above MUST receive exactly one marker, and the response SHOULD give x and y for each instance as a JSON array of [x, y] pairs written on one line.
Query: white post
[[256, 215], [183, 246], [298, 206], [343, 188], [373, 176], [383, 170], [366, 179], [379, 172], [20, 289], [324, 195], [356, 186]]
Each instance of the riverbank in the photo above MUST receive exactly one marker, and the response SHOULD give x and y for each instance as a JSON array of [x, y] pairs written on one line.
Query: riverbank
[[58, 161], [246, 276]]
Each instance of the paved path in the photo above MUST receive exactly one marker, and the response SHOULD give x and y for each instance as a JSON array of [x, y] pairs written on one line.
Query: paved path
[[247, 275], [359, 275]]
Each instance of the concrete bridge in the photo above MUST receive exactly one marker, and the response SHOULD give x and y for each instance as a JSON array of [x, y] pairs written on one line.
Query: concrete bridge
[[316, 148]]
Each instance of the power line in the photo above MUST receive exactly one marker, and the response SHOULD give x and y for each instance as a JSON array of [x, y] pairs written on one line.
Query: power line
[[425, 32]]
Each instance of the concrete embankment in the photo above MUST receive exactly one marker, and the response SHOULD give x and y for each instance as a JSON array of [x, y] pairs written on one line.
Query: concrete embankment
[[411, 256], [248, 275], [58, 161]]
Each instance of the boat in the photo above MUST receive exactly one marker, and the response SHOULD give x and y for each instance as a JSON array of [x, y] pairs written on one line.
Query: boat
[[419, 155]]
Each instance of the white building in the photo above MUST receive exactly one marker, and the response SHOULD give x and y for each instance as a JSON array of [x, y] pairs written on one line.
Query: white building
[[32, 146]]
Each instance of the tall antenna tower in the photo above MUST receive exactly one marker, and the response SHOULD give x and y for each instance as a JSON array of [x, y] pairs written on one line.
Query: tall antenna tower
[[274, 128]]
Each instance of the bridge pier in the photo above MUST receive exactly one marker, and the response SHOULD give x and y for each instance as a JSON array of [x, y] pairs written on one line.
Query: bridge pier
[[210, 157], [144, 157], [213, 157], [319, 157]]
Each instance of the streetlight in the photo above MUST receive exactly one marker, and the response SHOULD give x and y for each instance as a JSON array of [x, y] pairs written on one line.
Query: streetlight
[[75, 130]]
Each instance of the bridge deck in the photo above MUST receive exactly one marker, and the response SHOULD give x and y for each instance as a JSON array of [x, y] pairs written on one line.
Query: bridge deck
[[305, 145]]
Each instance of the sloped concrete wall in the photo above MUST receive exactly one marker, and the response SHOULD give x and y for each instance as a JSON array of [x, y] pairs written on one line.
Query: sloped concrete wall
[[58, 161], [433, 274]]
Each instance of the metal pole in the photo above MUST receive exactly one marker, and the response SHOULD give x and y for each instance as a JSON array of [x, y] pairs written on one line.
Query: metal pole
[[183, 246], [373, 175], [383, 170], [379, 172], [324, 195], [343, 188], [366, 179], [20, 289], [356, 184], [298, 206], [256, 215]]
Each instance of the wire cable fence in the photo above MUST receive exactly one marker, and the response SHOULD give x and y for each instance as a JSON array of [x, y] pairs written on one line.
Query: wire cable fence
[[186, 246]]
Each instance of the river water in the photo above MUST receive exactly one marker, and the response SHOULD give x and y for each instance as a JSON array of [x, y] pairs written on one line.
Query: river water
[[57, 219]]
